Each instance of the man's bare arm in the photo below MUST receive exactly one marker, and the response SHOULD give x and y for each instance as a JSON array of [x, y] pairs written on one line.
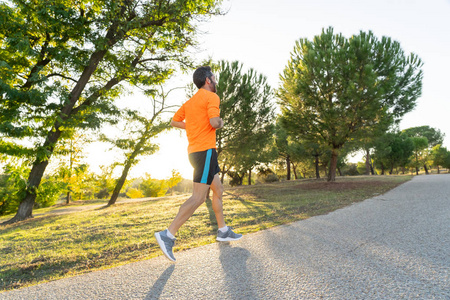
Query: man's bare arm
[[216, 123], [181, 124]]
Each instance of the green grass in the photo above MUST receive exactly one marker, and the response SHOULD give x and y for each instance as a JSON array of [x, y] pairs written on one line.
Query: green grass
[[50, 247]]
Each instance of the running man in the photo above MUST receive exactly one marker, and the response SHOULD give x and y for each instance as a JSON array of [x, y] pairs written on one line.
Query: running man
[[200, 117]]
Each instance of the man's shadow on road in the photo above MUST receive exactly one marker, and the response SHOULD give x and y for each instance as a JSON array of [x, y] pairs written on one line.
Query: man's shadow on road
[[158, 287], [237, 275]]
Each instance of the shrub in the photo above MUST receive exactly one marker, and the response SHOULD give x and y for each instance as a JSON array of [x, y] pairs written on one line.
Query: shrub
[[102, 194], [134, 193], [271, 178], [48, 192], [12, 188]]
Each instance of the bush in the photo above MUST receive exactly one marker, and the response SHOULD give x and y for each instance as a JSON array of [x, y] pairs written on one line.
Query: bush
[[48, 192], [351, 170], [134, 193], [153, 187], [102, 194], [271, 178], [12, 188]]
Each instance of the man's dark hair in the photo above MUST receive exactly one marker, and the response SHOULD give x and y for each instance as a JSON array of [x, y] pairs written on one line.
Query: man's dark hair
[[201, 74]]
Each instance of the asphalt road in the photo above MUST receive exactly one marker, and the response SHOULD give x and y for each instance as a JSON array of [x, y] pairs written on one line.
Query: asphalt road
[[393, 246]]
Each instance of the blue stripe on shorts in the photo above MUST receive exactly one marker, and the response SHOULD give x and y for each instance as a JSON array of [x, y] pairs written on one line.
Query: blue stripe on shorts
[[206, 169]]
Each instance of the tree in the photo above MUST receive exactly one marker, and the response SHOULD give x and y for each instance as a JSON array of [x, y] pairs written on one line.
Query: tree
[[420, 146], [63, 62], [138, 137], [335, 90], [283, 147], [105, 182], [434, 137], [153, 187], [72, 146], [393, 149], [439, 156], [174, 180], [248, 113]]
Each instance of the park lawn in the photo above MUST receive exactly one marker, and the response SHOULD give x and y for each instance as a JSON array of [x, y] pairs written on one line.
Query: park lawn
[[50, 247]]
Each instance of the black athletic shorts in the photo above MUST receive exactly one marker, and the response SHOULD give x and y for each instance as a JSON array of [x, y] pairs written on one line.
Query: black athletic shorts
[[205, 165]]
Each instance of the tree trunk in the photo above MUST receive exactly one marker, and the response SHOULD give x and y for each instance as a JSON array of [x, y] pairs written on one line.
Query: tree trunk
[[317, 166], [70, 170], [333, 165], [426, 169], [438, 170], [250, 177], [339, 171], [417, 163], [382, 169], [288, 167], [25, 210], [126, 169], [120, 183], [223, 171], [295, 171], [367, 162]]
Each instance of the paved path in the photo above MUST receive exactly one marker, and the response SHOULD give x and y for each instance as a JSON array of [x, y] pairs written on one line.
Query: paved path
[[393, 246]]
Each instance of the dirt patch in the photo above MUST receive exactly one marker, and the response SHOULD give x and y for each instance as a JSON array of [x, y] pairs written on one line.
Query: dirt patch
[[338, 186]]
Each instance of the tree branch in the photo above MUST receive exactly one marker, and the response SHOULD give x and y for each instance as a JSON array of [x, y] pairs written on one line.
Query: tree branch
[[63, 76], [41, 63], [112, 82]]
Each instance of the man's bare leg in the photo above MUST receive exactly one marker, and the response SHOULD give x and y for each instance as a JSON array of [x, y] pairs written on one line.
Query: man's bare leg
[[217, 188], [188, 208]]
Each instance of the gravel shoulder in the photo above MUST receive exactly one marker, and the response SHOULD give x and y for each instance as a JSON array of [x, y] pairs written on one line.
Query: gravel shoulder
[[393, 246]]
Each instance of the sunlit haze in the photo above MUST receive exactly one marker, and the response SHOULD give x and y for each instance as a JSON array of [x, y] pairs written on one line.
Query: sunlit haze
[[261, 34]]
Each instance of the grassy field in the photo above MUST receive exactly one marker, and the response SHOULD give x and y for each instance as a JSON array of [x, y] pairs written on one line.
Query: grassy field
[[52, 246]]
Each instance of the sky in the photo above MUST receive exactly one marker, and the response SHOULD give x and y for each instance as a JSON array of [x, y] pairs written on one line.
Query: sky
[[261, 34]]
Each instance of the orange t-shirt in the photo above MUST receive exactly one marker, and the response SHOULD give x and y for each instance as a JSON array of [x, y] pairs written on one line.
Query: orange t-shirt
[[196, 112]]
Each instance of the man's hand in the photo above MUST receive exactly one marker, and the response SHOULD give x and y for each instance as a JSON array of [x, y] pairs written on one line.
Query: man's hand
[[216, 123], [181, 124]]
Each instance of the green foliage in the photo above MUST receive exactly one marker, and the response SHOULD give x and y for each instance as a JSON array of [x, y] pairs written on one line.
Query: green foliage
[[105, 182], [246, 108], [440, 156], [335, 90], [351, 170], [419, 152], [63, 63], [434, 136], [153, 187], [12, 186], [134, 193], [361, 167], [137, 138], [393, 150], [173, 181], [271, 178], [48, 192], [13, 183]]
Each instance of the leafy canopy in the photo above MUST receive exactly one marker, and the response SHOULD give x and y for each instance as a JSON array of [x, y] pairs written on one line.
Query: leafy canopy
[[63, 62]]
